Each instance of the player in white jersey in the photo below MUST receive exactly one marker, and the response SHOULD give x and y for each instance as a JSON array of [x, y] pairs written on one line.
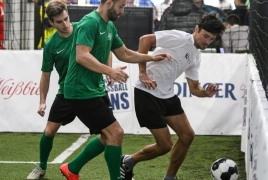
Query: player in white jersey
[[156, 104]]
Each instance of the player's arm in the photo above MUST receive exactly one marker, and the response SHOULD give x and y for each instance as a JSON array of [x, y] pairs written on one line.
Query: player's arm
[[110, 64], [84, 58], [146, 42], [110, 60], [198, 91], [44, 86], [127, 55]]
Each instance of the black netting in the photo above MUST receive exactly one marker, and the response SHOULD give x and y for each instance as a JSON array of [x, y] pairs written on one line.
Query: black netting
[[259, 38]]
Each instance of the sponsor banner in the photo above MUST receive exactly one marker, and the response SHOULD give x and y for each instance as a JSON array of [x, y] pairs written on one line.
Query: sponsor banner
[[220, 115]]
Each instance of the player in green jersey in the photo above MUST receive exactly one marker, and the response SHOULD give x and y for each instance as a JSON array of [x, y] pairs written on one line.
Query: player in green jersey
[[56, 54]]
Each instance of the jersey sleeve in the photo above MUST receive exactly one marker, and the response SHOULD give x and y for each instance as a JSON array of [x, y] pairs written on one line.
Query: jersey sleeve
[[192, 72], [117, 42], [86, 32], [48, 62]]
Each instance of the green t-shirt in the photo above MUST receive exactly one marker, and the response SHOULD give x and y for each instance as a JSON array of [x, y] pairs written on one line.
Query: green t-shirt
[[102, 37], [56, 53]]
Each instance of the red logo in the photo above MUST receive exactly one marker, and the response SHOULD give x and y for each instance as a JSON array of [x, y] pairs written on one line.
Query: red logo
[[9, 88]]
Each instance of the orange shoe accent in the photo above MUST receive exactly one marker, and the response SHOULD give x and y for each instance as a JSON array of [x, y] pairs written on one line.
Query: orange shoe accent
[[67, 173]]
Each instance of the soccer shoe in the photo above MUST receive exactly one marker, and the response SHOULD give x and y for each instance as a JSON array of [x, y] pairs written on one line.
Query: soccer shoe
[[126, 174], [36, 174], [67, 173]]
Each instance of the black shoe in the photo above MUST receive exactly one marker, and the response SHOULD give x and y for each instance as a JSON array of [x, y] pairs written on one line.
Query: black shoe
[[126, 174]]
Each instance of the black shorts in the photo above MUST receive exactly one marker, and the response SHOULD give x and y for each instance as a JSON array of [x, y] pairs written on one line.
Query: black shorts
[[151, 111], [61, 111], [95, 113]]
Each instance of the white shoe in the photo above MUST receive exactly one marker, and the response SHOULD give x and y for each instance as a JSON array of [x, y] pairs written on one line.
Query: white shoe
[[36, 174]]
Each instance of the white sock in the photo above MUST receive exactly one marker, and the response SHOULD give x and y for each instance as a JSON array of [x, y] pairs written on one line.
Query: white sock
[[129, 162]]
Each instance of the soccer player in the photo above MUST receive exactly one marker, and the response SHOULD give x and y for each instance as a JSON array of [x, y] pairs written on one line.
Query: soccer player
[[56, 53], [156, 104], [94, 38]]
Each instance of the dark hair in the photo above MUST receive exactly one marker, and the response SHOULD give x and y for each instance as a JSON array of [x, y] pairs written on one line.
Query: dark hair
[[55, 8], [243, 1], [233, 19], [211, 23]]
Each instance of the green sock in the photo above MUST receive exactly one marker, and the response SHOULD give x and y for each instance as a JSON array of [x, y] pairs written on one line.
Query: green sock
[[93, 148], [112, 156], [45, 146]]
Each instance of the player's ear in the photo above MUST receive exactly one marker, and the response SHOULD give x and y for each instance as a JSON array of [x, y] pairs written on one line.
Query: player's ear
[[51, 23], [196, 28], [109, 3]]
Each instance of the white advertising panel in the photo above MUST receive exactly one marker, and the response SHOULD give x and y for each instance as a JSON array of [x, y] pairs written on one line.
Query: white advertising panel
[[220, 115]]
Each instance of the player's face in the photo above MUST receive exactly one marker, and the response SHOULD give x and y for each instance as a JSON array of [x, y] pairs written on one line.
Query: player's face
[[202, 38], [62, 22], [116, 10], [198, 3]]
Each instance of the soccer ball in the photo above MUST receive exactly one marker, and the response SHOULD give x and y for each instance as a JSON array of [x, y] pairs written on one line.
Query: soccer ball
[[224, 169]]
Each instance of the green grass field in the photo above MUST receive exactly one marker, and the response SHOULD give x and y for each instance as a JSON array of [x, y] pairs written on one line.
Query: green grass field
[[204, 151]]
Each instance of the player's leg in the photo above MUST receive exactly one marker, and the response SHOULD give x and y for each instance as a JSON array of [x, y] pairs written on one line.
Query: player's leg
[[92, 149], [149, 112], [98, 117], [83, 110], [60, 114], [177, 120], [45, 146], [112, 136], [113, 149], [46, 142], [181, 126], [162, 146], [108, 142]]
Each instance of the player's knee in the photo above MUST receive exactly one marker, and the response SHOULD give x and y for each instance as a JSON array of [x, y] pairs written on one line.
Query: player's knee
[[188, 138], [166, 147], [164, 150], [50, 132], [51, 129], [118, 134]]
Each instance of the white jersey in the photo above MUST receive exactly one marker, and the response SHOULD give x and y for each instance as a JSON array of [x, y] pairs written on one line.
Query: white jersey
[[185, 58]]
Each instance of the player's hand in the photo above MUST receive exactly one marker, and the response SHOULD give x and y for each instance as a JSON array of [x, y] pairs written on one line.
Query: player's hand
[[119, 75], [212, 89], [110, 81], [160, 57], [148, 82], [42, 109]]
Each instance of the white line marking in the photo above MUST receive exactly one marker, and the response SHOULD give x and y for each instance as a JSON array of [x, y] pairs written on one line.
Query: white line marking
[[22, 162], [64, 155], [17, 162]]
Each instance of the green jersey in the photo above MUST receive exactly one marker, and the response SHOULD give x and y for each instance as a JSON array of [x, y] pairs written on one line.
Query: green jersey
[[102, 37], [57, 53]]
